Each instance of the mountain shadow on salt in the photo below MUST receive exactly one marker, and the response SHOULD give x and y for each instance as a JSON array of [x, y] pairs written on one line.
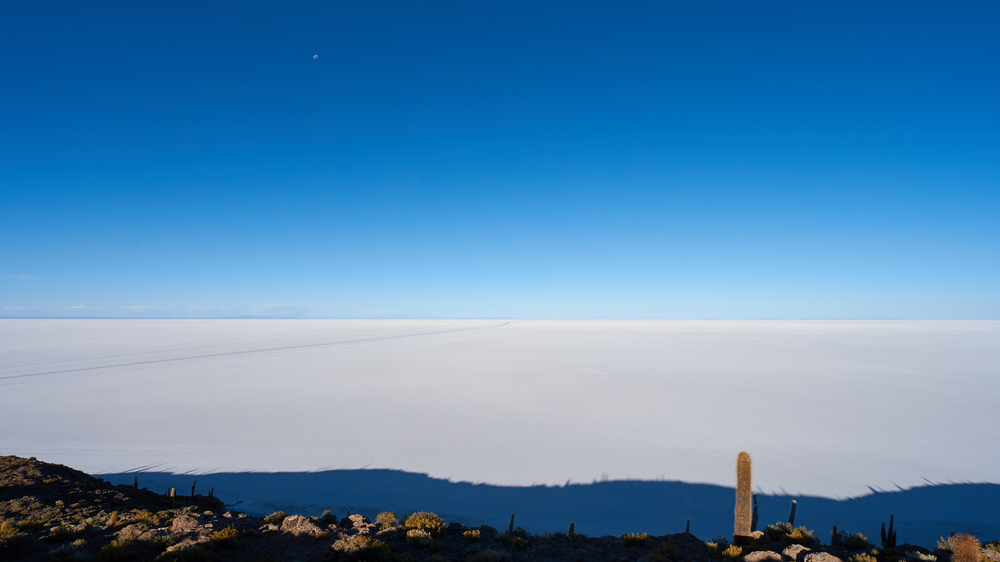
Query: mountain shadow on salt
[[922, 514]]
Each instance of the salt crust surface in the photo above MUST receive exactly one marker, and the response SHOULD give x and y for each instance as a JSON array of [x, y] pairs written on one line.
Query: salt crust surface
[[826, 408]]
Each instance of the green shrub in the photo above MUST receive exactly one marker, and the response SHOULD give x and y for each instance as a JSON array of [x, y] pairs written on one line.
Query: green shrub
[[143, 516], [418, 536], [225, 538], [842, 538], [9, 534], [31, 525], [425, 521], [386, 520], [60, 534], [717, 546], [517, 543], [116, 550], [635, 539], [664, 553], [732, 552], [362, 547], [788, 535], [275, 518]]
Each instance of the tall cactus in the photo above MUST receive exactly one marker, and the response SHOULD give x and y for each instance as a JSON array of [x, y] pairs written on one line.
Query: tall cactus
[[744, 501], [753, 519], [889, 538]]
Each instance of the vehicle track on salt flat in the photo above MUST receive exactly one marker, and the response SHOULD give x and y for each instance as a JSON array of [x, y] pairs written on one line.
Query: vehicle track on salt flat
[[249, 351]]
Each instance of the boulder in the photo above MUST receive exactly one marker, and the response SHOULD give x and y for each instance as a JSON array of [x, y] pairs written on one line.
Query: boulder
[[822, 557], [298, 525], [796, 552], [184, 524], [763, 556], [132, 531]]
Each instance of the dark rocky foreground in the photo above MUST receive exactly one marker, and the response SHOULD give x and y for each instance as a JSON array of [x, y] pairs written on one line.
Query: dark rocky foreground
[[52, 512]]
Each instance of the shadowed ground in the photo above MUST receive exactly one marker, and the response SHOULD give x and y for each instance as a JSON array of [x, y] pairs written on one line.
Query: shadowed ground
[[602, 508]]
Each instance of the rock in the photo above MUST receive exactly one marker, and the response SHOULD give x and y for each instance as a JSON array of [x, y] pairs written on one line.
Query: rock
[[822, 557], [763, 556], [796, 552], [189, 542], [184, 524], [298, 525], [131, 531]]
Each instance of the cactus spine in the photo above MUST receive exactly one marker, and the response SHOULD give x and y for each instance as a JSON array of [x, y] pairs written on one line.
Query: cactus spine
[[743, 497]]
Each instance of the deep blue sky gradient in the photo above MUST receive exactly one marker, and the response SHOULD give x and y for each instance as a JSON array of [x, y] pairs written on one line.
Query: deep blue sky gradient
[[574, 160]]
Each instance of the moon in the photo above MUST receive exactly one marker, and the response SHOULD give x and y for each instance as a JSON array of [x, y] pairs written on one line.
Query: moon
[[315, 57]]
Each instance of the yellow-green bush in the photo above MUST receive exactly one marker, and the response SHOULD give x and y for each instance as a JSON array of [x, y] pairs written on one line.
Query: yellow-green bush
[[116, 550], [471, 536], [225, 538], [517, 543], [9, 534], [664, 553], [424, 521], [386, 520], [275, 518], [635, 539], [419, 536], [788, 535], [732, 552], [363, 548]]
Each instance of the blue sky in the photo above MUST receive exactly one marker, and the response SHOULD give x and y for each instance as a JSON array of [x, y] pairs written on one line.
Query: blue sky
[[508, 159]]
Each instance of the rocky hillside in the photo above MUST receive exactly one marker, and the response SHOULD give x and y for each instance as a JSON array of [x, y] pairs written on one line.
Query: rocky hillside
[[52, 512]]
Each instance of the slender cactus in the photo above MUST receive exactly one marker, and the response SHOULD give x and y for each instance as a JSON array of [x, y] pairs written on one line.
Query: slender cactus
[[791, 514], [572, 530], [889, 537], [192, 488], [744, 508], [136, 482], [687, 526], [510, 529], [753, 520]]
